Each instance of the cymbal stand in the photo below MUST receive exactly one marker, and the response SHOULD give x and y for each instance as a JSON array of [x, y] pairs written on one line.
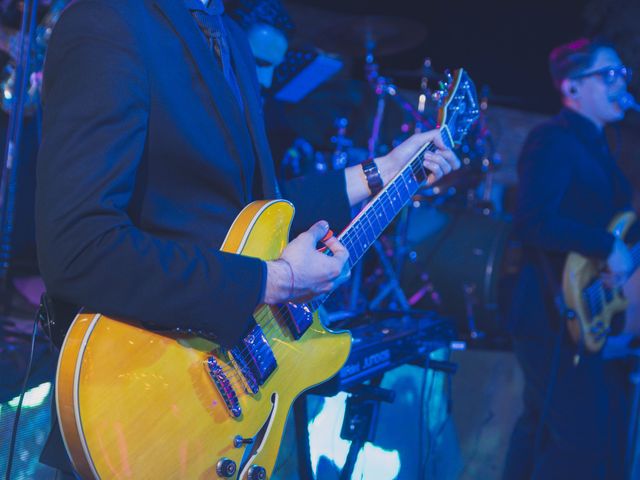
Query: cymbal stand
[[392, 285], [490, 159], [425, 93], [340, 157], [381, 92], [383, 88], [11, 161]]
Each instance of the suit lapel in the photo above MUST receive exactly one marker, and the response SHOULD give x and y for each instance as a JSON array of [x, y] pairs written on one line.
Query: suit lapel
[[245, 72], [224, 100]]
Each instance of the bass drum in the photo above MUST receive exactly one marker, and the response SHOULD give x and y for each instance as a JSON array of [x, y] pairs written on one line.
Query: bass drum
[[463, 264]]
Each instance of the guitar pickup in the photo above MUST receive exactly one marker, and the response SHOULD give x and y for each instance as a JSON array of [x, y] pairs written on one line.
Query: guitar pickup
[[298, 318], [254, 358]]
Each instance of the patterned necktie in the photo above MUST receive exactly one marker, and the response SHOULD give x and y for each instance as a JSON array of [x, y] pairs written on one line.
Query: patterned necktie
[[216, 35]]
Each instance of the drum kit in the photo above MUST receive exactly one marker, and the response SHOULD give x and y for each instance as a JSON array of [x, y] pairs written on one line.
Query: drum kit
[[452, 250]]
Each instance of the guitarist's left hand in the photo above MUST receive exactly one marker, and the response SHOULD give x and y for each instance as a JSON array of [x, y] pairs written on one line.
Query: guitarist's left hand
[[619, 265], [439, 163]]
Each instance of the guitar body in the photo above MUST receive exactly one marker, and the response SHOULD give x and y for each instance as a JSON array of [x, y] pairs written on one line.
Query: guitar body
[[137, 404], [580, 281]]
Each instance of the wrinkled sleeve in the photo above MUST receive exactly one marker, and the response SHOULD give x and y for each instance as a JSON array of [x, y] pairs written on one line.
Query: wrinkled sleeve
[[96, 107], [319, 197]]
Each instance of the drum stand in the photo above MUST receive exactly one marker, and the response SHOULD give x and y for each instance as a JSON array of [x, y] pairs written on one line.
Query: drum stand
[[391, 267], [11, 160]]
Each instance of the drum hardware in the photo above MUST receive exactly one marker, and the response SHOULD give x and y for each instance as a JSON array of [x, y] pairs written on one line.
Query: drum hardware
[[381, 89], [9, 172], [470, 301], [10, 42], [425, 93], [387, 284], [20, 96], [296, 159], [392, 285], [426, 290], [339, 159]]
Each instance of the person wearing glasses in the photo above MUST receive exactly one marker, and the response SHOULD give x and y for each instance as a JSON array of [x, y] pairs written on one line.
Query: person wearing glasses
[[570, 188]]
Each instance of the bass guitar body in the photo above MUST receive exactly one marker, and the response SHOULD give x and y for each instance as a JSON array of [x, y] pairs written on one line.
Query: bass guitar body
[[137, 404], [584, 292]]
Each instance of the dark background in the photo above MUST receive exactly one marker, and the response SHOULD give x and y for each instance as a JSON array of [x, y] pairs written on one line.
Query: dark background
[[503, 44]]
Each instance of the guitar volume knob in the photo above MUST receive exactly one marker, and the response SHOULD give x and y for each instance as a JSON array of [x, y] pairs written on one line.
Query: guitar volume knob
[[256, 472], [226, 467]]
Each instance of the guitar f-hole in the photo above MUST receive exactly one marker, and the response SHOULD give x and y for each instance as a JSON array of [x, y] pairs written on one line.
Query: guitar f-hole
[[258, 442]]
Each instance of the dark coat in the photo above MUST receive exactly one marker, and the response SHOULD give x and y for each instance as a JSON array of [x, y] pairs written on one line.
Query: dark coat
[[570, 188], [146, 159]]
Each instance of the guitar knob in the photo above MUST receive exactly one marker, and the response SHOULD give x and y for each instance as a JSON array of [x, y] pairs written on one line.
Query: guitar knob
[[256, 473], [225, 467]]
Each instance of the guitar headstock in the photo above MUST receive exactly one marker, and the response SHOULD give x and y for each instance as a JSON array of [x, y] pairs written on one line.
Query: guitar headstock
[[459, 109]]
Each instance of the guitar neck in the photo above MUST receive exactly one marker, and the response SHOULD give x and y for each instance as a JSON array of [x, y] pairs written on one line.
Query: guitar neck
[[376, 216], [369, 224]]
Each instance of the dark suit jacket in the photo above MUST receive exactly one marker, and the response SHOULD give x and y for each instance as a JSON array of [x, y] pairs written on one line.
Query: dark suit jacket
[[146, 159], [569, 190]]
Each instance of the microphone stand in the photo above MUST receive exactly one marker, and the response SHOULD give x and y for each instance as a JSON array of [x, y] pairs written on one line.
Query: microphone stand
[[11, 155]]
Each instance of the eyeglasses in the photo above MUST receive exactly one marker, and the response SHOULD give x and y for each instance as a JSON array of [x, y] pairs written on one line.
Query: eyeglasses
[[609, 75]]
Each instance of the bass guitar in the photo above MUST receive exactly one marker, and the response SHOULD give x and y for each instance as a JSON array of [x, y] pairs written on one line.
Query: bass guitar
[[594, 304], [136, 404]]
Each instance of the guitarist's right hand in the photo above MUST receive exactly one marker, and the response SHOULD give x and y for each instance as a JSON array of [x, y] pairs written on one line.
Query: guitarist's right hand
[[302, 272], [619, 265]]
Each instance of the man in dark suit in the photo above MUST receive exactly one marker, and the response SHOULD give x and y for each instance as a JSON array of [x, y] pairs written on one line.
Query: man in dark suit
[[153, 141], [570, 188]]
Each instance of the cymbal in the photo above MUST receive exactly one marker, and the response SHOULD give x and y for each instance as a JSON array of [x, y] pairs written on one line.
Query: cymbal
[[314, 117], [311, 21], [351, 34], [385, 35]]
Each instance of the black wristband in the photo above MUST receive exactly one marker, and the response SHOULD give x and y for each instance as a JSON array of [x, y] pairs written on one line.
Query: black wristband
[[372, 174]]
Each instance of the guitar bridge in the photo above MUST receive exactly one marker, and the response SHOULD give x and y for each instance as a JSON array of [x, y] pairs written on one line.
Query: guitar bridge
[[226, 390]]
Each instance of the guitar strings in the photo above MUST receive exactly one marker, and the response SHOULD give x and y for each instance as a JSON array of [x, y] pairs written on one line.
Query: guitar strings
[[269, 326], [411, 181]]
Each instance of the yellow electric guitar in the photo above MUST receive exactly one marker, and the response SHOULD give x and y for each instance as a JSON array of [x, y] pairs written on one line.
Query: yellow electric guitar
[[138, 404], [584, 292]]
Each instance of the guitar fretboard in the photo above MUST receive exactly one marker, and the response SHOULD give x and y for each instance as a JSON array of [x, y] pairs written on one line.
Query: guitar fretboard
[[367, 226]]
